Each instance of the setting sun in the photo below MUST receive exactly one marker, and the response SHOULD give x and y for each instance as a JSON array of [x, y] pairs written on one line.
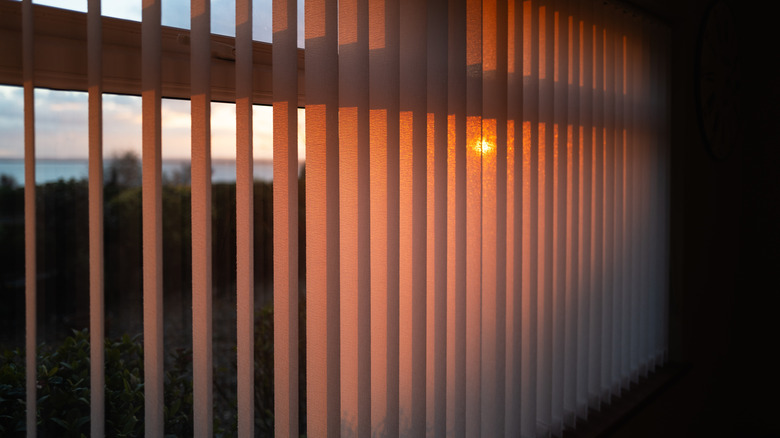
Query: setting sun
[[483, 146]]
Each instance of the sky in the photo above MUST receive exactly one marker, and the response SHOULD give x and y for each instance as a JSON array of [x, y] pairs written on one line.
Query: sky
[[61, 116], [176, 13]]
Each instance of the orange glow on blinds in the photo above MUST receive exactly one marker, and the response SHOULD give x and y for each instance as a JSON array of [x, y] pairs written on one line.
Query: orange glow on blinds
[[485, 248], [547, 180]]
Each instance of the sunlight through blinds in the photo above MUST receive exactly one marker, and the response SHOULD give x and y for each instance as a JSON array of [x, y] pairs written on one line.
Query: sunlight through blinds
[[285, 101], [546, 299], [487, 213], [323, 386], [383, 71]]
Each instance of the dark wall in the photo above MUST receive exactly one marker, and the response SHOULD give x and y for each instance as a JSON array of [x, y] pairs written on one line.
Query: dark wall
[[725, 241]]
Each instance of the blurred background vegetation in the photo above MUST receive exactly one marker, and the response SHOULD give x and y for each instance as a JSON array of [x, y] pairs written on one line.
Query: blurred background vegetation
[[62, 229]]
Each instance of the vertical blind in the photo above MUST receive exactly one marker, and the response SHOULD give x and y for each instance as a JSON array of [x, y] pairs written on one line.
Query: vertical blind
[[487, 188], [487, 211]]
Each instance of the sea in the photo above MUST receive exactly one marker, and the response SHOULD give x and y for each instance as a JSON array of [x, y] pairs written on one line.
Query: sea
[[50, 170]]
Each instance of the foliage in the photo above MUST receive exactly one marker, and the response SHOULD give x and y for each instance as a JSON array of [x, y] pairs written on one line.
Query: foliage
[[12, 416], [62, 227], [63, 389], [264, 370]]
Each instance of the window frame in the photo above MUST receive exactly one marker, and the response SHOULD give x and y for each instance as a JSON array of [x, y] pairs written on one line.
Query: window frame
[[60, 37]]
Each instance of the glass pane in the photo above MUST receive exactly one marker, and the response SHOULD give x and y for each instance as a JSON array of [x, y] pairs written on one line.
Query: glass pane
[[62, 259], [62, 221], [73, 5], [123, 281], [12, 280]]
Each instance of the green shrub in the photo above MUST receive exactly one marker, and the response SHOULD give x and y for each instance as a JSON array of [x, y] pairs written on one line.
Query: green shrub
[[64, 397], [12, 416], [63, 388]]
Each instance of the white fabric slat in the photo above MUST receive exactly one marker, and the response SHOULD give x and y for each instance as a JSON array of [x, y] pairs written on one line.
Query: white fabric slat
[[493, 154], [30, 270], [322, 220], [528, 368], [285, 114], [245, 289], [645, 223], [572, 301], [200, 68], [490, 199], [651, 169], [456, 219], [608, 129], [436, 227], [637, 194], [560, 156], [152, 217], [412, 231], [635, 202], [96, 296], [473, 216], [384, 213], [597, 214], [617, 163], [628, 212], [353, 217], [584, 338], [546, 226], [501, 154], [514, 230], [641, 218]]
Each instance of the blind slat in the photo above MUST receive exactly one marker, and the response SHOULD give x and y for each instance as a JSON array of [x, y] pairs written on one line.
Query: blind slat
[[30, 274], [152, 217], [436, 226], [546, 172], [200, 72], [96, 294], [586, 162], [493, 154], [353, 218], [572, 301], [383, 70], [619, 254], [245, 277], [530, 217], [412, 222], [608, 259], [514, 219], [322, 220], [597, 215], [285, 114], [473, 109], [456, 219], [560, 185]]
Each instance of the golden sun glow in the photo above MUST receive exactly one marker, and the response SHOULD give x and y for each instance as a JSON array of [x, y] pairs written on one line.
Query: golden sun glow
[[483, 146]]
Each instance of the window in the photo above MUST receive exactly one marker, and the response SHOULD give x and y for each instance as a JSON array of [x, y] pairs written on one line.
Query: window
[[486, 203]]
